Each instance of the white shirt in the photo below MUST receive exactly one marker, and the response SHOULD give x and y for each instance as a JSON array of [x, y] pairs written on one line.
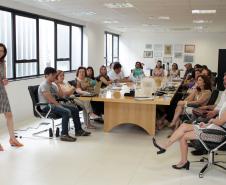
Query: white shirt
[[113, 76], [222, 101]]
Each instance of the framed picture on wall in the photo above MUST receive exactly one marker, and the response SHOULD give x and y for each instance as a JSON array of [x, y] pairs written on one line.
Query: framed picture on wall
[[178, 55], [167, 60], [188, 58], [189, 48], [148, 46], [148, 54], [158, 54], [168, 49]]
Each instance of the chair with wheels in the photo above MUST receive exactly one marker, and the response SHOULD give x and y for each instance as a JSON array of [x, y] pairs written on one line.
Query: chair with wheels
[[33, 90], [212, 148]]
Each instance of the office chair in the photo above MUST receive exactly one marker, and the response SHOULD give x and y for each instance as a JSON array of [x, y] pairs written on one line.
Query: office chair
[[186, 117], [212, 148], [33, 90]]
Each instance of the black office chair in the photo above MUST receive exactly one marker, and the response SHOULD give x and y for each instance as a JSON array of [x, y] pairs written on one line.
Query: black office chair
[[212, 148], [33, 90]]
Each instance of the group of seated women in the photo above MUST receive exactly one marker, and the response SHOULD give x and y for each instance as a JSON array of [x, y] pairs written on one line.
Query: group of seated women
[[198, 82]]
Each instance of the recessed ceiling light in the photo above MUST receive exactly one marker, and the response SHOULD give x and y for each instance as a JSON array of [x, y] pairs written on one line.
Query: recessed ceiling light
[[201, 21], [118, 5], [164, 18], [204, 11]]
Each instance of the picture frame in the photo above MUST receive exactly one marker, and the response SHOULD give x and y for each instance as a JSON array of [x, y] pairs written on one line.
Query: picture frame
[[168, 49], [148, 54], [158, 47], [158, 54], [178, 55], [189, 48], [148, 46], [167, 60], [189, 58]]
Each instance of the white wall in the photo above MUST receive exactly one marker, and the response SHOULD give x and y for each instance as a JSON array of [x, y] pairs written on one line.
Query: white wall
[[94, 46], [19, 97], [132, 46]]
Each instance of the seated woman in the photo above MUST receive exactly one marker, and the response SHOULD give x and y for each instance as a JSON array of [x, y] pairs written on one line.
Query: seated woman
[[69, 91], [158, 71], [137, 72], [103, 77], [199, 97], [85, 85], [174, 72], [187, 132]]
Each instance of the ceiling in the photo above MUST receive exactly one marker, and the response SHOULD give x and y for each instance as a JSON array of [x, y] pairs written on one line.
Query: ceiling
[[143, 16]]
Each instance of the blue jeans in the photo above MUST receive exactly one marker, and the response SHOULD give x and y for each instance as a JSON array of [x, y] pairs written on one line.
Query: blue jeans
[[66, 111]]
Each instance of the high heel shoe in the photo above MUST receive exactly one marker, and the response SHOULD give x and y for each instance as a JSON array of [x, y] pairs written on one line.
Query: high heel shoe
[[14, 142], [161, 150], [186, 166], [1, 148]]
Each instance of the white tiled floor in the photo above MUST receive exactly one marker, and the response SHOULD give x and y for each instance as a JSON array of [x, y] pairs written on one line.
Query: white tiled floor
[[124, 156]]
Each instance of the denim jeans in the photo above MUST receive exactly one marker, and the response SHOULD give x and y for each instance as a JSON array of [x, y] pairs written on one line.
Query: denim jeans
[[66, 111]]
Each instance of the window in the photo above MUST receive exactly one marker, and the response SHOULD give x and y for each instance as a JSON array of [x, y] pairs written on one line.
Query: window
[[35, 42], [26, 46], [111, 48], [46, 44], [63, 47], [6, 38], [76, 48]]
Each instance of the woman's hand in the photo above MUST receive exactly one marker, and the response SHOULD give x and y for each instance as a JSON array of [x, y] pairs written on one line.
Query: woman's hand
[[202, 125], [5, 82]]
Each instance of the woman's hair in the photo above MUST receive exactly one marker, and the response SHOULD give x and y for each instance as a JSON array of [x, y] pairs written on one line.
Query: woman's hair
[[102, 67], [139, 63], [159, 61], [81, 67], [175, 65], [5, 51], [209, 73], [207, 82], [58, 73], [89, 67]]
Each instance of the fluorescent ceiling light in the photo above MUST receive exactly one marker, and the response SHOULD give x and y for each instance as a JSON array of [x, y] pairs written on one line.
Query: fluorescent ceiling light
[[118, 5], [204, 11], [47, 1], [164, 18], [110, 22], [198, 27], [89, 13], [201, 21]]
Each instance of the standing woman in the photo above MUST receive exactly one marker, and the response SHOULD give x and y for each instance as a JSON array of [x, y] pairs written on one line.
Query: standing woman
[[4, 102]]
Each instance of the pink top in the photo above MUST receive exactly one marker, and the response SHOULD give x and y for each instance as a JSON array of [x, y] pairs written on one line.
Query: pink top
[[158, 72]]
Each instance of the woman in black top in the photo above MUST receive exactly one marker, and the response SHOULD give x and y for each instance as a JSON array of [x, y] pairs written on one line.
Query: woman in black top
[[103, 77]]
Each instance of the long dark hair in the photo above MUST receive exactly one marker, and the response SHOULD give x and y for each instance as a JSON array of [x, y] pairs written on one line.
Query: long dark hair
[[159, 61], [207, 82], [5, 51], [81, 67], [92, 77]]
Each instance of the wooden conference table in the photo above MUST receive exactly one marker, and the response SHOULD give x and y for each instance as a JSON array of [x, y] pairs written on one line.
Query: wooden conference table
[[119, 109]]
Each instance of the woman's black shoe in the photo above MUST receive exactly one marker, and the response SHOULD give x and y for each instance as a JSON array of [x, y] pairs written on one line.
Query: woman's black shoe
[[186, 166], [161, 150]]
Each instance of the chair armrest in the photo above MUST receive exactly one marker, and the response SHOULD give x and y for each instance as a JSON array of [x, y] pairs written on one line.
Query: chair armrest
[[214, 132], [39, 104], [193, 105], [62, 99]]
